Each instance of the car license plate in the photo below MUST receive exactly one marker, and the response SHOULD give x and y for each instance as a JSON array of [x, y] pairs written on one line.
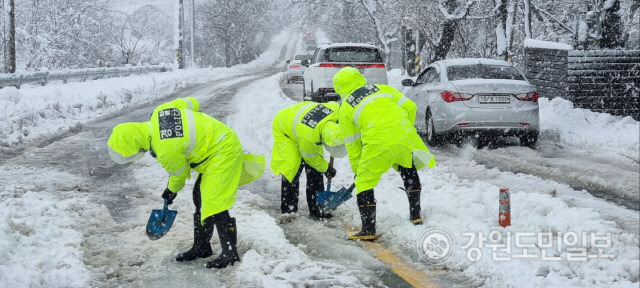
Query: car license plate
[[488, 99]]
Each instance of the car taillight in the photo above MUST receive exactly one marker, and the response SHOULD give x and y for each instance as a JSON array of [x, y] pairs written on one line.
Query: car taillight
[[294, 66], [449, 96], [371, 66], [531, 96], [331, 65]]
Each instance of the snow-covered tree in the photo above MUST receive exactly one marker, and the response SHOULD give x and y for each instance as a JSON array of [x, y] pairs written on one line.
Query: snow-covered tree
[[453, 12], [144, 37], [612, 34], [63, 33], [57, 34], [227, 30]]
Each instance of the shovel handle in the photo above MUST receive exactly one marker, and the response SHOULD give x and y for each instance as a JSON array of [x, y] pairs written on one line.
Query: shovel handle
[[330, 166], [165, 209]]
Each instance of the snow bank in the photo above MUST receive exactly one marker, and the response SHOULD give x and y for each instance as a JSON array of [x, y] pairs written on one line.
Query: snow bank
[[33, 112], [591, 130], [532, 43], [39, 243]]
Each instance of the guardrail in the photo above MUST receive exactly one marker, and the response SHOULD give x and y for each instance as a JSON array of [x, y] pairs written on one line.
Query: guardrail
[[42, 78]]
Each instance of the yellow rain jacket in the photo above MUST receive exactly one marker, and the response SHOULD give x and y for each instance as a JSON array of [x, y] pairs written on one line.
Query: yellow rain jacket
[[182, 139], [299, 132], [376, 122]]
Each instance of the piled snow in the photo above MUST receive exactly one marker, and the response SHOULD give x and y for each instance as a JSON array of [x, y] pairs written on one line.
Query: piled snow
[[533, 43], [592, 130], [33, 112], [39, 244]]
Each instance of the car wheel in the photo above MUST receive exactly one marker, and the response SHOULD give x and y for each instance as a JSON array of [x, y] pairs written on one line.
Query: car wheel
[[431, 136], [529, 139]]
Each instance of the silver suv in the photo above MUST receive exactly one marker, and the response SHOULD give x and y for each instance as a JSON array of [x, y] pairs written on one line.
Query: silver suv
[[331, 57]]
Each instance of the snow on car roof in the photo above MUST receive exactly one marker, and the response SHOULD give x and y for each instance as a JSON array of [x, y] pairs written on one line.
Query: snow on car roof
[[471, 61], [328, 45]]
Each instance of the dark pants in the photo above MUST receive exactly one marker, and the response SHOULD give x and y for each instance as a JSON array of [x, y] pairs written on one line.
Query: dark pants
[[410, 178], [289, 190], [197, 201], [197, 198]]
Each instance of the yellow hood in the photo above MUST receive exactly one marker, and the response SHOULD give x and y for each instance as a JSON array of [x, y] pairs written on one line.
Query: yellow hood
[[128, 138], [347, 80]]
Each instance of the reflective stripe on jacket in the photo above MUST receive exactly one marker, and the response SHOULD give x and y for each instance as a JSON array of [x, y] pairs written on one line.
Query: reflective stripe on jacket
[[185, 139], [377, 125], [298, 134], [181, 139]]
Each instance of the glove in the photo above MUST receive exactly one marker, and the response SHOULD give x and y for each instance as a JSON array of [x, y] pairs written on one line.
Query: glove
[[330, 173], [169, 196]]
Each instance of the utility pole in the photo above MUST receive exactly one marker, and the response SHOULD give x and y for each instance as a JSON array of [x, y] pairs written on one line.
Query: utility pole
[[9, 36], [193, 32], [403, 50], [179, 52]]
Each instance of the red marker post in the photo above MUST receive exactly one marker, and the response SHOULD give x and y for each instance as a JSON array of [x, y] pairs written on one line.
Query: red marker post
[[504, 215]]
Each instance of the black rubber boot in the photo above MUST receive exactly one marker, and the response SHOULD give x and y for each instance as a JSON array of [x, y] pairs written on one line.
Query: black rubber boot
[[228, 241], [367, 207], [414, 206], [413, 188], [201, 241]]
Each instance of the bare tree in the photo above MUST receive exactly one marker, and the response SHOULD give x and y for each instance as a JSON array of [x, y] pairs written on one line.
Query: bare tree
[[504, 29], [9, 36], [63, 33], [233, 25], [452, 13], [386, 33], [142, 36], [527, 18]]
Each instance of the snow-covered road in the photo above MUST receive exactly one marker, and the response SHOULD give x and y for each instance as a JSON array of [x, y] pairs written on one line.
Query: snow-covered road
[[69, 217]]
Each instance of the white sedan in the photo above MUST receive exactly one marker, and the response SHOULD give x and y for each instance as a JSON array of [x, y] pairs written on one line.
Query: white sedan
[[295, 69], [474, 97]]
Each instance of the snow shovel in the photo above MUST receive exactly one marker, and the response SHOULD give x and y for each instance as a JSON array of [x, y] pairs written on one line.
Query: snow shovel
[[334, 199], [331, 200], [160, 221]]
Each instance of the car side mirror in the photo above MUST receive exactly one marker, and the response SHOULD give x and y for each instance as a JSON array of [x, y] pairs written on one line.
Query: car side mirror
[[407, 82], [288, 61], [305, 63]]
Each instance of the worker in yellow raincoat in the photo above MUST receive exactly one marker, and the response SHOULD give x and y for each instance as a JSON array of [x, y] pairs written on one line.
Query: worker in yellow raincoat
[[181, 139], [376, 122], [299, 133]]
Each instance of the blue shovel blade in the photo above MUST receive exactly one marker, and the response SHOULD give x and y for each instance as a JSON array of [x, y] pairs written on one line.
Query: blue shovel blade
[[323, 198], [339, 197], [160, 222]]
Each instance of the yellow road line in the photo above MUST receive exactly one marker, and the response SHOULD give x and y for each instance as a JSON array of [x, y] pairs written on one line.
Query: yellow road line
[[416, 278]]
